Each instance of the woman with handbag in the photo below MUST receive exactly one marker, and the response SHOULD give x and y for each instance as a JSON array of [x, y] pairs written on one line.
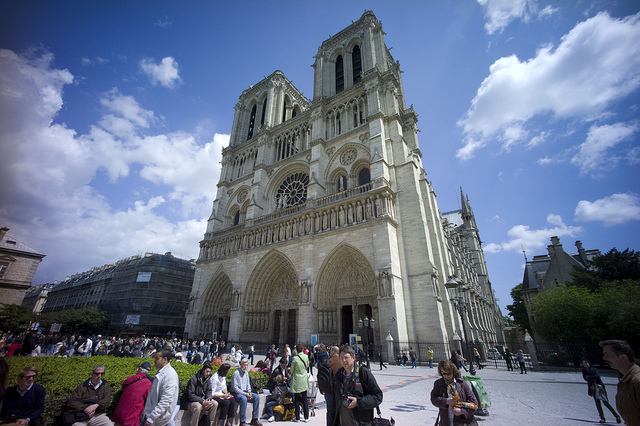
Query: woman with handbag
[[453, 396], [596, 389], [300, 382]]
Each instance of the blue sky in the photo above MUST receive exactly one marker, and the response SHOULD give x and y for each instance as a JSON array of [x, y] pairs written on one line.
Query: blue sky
[[113, 116]]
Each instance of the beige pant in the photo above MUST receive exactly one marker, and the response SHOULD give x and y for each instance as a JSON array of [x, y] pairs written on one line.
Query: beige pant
[[196, 410], [99, 420]]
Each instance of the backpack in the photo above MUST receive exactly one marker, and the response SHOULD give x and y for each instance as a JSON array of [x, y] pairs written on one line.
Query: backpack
[[324, 378]]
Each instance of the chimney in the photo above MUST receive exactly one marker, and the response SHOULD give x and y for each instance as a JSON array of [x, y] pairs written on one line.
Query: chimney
[[555, 245], [582, 253], [555, 241], [3, 232]]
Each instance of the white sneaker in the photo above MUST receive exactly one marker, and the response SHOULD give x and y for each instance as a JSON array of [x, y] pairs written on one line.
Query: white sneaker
[[270, 419], [304, 420]]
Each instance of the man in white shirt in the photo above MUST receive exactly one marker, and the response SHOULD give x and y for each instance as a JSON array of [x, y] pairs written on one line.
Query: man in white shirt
[[241, 389], [163, 397]]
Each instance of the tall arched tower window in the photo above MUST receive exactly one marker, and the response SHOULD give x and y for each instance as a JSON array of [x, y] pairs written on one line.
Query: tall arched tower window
[[339, 74], [236, 218], [252, 122], [364, 176], [356, 62], [264, 111]]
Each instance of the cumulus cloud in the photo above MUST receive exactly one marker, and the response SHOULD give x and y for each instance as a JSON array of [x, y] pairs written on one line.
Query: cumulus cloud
[[522, 237], [164, 73], [593, 152], [595, 64], [50, 198], [612, 210], [500, 13]]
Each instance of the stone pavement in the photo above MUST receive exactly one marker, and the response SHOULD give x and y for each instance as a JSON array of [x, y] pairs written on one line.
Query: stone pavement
[[537, 398]]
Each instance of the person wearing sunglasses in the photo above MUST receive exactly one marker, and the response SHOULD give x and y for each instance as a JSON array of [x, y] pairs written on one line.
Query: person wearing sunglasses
[[24, 403], [89, 402]]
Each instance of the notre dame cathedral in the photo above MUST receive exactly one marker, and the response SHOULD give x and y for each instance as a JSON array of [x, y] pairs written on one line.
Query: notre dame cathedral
[[324, 215]]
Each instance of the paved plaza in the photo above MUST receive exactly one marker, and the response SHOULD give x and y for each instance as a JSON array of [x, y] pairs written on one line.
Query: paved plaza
[[537, 398]]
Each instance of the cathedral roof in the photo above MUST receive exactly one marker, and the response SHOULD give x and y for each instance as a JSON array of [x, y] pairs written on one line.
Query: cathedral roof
[[276, 77]]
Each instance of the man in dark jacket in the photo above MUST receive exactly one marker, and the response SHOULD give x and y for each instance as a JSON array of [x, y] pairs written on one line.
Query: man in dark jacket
[[282, 370], [199, 396], [24, 403], [356, 392], [89, 402]]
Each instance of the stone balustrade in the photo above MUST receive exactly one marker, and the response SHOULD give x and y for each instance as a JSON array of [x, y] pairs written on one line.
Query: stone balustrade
[[353, 207]]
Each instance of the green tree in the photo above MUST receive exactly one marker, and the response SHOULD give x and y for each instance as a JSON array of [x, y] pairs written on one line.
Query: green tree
[[518, 310], [618, 311], [613, 266], [15, 317], [83, 321], [565, 314]]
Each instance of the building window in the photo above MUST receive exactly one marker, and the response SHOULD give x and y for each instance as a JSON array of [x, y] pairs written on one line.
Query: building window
[[356, 62], [364, 177], [3, 268], [339, 75], [264, 111], [338, 124], [293, 191], [252, 122], [236, 218]]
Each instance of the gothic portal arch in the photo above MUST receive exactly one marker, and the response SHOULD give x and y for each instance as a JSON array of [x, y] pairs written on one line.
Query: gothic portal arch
[[346, 292], [271, 300], [216, 307]]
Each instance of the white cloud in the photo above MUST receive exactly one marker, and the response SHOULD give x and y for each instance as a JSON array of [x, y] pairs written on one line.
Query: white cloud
[[50, 198], [543, 161], [592, 153], [500, 13], [522, 237], [612, 210], [538, 139], [164, 73], [595, 64]]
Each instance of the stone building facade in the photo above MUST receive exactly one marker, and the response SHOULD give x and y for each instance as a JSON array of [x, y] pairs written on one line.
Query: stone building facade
[[141, 294], [324, 214], [18, 265], [547, 271], [36, 297]]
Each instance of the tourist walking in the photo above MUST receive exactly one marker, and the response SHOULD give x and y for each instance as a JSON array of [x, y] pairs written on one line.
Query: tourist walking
[[413, 357], [382, 364], [520, 359], [597, 390], [453, 396], [619, 355], [476, 357], [508, 358], [163, 398], [300, 382], [430, 357]]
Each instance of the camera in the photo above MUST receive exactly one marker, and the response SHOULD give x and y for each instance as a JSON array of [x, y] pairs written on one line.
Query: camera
[[346, 401]]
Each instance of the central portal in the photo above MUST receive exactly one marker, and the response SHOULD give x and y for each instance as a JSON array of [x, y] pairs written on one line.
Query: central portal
[[346, 315]]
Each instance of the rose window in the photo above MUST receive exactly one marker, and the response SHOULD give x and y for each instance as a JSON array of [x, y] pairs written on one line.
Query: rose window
[[293, 191]]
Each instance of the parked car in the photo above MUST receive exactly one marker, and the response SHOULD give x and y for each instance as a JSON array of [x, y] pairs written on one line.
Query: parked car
[[493, 353]]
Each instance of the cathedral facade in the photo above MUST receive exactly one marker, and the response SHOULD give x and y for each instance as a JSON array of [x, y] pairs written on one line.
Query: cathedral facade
[[324, 215]]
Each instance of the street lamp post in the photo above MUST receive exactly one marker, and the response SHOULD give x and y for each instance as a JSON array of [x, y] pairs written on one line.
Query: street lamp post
[[366, 327], [458, 294]]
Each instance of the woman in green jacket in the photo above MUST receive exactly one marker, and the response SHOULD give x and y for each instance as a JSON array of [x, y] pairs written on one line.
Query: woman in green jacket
[[300, 382]]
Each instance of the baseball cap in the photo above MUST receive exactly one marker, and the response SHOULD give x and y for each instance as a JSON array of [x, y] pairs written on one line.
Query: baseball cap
[[146, 365]]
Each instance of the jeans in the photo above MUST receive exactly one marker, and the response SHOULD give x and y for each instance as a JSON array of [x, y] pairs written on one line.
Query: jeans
[[241, 399], [301, 398], [606, 404], [523, 367], [331, 408], [430, 363], [268, 409]]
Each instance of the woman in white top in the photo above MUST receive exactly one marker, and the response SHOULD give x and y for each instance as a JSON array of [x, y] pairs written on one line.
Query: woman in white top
[[226, 402]]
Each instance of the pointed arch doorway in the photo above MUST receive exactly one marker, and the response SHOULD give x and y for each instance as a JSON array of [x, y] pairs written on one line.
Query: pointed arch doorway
[[216, 308], [271, 302], [347, 292]]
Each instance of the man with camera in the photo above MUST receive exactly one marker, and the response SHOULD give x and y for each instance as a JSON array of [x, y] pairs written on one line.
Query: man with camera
[[357, 392]]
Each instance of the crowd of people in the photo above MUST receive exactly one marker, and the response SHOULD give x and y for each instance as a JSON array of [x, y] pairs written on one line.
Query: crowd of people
[[350, 389]]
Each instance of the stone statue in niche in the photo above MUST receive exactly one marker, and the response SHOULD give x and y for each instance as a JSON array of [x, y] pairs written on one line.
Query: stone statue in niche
[[235, 299], [385, 288], [304, 291]]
